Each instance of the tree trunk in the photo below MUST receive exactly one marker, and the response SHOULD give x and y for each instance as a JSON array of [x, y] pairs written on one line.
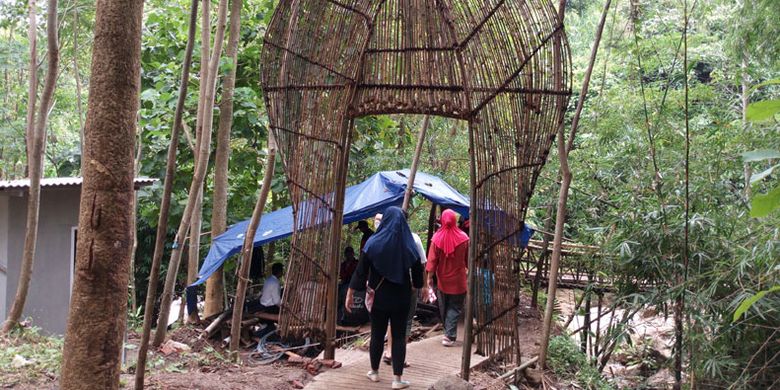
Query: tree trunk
[[134, 229], [196, 217], [35, 164], [165, 203], [193, 254], [566, 177], [32, 37], [246, 250], [215, 284], [98, 309], [744, 98], [415, 162], [197, 180], [77, 77], [540, 265]]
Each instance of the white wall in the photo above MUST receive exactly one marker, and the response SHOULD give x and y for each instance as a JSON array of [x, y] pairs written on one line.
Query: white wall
[[49, 294]]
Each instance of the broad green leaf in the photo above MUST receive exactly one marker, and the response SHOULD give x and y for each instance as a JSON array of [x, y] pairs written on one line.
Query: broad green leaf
[[763, 204], [759, 155], [760, 176], [763, 110], [749, 302]]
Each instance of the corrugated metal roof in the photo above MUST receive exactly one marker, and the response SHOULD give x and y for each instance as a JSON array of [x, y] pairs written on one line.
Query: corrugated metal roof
[[61, 182]]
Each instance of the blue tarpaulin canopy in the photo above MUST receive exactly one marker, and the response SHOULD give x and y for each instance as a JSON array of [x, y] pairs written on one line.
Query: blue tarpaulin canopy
[[361, 201]]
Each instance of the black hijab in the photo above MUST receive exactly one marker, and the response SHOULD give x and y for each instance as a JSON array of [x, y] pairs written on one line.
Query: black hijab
[[391, 249]]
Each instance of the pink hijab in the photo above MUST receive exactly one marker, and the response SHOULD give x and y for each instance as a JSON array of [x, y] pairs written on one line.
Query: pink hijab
[[449, 235]]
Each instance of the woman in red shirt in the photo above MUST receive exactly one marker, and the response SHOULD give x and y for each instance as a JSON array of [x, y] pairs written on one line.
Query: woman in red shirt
[[448, 259]]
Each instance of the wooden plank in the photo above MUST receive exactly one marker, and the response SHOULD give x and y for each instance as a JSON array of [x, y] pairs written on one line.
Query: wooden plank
[[429, 361]]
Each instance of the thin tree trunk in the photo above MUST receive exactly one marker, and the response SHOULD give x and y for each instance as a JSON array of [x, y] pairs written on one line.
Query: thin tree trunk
[[77, 77], [745, 95], [98, 309], [193, 254], [35, 164], [540, 265], [32, 37], [415, 162], [197, 181], [215, 284], [566, 177], [196, 217], [246, 250], [134, 229], [165, 203]]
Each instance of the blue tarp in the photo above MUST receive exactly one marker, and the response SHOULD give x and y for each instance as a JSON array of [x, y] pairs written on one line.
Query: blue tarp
[[361, 201]]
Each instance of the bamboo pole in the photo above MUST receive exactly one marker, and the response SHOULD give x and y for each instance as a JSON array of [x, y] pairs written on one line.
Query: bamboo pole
[[415, 163], [566, 178], [338, 218], [246, 251]]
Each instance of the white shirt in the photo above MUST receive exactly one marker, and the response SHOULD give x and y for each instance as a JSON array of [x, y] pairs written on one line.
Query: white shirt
[[420, 249], [272, 292]]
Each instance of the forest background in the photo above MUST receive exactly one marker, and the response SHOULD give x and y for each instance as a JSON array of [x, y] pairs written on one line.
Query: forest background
[[628, 160]]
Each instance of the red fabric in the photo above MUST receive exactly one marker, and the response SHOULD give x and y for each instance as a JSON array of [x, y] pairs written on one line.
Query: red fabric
[[450, 270], [449, 235]]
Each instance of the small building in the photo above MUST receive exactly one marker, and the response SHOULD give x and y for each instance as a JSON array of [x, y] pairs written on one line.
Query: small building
[[49, 295]]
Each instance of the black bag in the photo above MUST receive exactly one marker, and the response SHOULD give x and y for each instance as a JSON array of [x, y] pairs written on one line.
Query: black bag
[[359, 314]]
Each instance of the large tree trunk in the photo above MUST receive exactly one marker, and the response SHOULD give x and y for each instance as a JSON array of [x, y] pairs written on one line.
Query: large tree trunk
[[165, 203], [35, 166], [197, 180], [564, 148], [98, 308], [215, 285]]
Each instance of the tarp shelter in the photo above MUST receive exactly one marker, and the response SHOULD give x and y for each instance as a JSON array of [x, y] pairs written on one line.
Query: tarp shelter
[[361, 201]]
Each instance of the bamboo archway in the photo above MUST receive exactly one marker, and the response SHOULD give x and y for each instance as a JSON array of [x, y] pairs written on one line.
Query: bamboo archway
[[501, 65]]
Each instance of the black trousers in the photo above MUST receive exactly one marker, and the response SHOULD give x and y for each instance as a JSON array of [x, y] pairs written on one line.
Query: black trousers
[[379, 320]]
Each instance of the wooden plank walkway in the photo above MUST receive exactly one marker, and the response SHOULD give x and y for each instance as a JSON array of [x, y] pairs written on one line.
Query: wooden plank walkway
[[429, 362]]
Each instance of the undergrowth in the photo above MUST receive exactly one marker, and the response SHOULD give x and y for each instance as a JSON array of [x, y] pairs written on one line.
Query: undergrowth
[[569, 363], [26, 356]]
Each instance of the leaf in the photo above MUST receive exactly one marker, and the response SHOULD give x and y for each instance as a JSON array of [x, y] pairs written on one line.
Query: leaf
[[760, 176], [759, 155], [764, 84], [763, 204], [747, 303], [763, 110]]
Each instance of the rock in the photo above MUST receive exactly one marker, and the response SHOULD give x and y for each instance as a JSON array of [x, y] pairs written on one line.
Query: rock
[[661, 379], [19, 361], [171, 346], [533, 376], [297, 384], [330, 363], [451, 382], [298, 376]]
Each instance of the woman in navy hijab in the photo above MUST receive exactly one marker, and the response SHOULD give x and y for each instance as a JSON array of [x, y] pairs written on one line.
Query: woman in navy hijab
[[391, 266]]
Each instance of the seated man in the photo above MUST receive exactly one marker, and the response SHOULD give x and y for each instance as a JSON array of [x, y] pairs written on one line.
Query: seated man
[[271, 296]]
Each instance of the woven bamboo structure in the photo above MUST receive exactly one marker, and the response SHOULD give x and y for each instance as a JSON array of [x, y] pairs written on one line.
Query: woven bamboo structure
[[501, 65]]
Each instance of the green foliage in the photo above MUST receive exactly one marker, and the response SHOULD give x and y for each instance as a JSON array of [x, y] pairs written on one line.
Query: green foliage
[[569, 363], [750, 301]]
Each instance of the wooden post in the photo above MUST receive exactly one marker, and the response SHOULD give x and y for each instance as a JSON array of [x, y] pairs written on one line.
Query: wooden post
[[431, 222], [415, 162], [246, 251], [468, 321], [338, 218]]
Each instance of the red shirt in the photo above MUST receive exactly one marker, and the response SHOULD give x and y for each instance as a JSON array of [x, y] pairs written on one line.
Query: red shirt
[[450, 270]]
